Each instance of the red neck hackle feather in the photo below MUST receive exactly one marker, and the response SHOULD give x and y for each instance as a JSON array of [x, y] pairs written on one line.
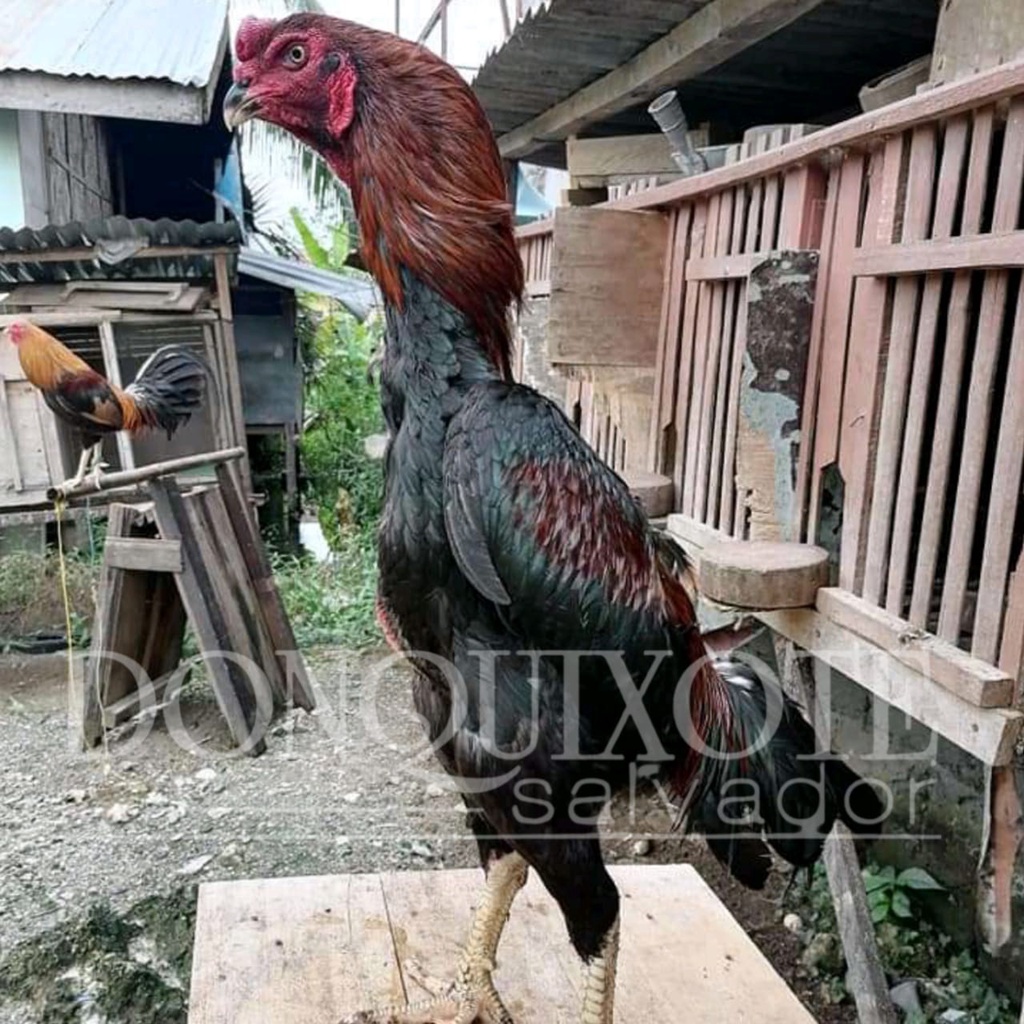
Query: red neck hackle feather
[[412, 142]]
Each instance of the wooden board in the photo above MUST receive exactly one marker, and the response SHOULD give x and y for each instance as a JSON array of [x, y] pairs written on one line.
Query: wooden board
[[607, 275], [309, 951]]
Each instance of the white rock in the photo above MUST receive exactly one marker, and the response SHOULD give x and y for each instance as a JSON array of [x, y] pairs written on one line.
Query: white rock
[[76, 796], [422, 850], [218, 813], [205, 775], [435, 791], [119, 814], [642, 848], [353, 798], [195, 865], [793, 923], [951, 1017]]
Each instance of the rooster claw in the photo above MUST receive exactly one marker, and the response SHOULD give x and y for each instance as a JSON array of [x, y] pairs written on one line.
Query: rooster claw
[[485, 1008]]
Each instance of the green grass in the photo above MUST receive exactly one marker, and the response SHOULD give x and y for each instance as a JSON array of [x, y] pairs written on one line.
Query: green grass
[[332, 603], [31, 600]]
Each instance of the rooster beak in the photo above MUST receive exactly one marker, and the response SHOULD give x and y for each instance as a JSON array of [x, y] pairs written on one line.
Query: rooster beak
[[239, 106]]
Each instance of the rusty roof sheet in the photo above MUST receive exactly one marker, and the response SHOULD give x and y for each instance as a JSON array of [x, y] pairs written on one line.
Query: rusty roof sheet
[[180, 41]]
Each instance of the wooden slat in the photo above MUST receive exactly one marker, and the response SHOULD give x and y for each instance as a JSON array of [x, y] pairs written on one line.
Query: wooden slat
[[857, 132], [837, 291], [7, 431], [687, 367], [863, 361], [700, 364], [668, 339], [803, 208], [141, 554], [980, 393], [717, 489], [315, 950], [238, 702], [804, 528], [970, 678], [916, 216], [951, 171], [723, 268], [706, 441], [989, 734], [957, 326], [982, 252], [112, 366], [1005, 501], [298, 685]]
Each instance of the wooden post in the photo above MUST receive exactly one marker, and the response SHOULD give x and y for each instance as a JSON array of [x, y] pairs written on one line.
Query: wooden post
[[112, 367], [230, 359], [867, 978]]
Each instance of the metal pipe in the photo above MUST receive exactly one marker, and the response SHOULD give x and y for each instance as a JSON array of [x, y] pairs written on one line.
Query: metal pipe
[[667, 111]]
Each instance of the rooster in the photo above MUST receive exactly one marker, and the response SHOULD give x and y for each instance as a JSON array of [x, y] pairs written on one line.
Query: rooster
[[555, 648], [169, 388]]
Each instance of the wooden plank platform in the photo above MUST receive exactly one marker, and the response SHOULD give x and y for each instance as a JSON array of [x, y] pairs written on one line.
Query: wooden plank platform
[[309, 951]]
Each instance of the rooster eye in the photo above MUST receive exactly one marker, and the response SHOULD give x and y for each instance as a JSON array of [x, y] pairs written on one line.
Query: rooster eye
[[297, 56]]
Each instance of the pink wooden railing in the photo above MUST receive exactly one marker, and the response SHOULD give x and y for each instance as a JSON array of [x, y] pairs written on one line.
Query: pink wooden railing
[[915, 387]]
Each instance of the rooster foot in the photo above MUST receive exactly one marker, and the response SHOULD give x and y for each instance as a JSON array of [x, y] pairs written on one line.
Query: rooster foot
[[95, 476], [475, 1003]]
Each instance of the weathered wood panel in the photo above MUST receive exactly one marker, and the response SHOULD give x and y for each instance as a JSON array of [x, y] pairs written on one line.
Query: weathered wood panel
[[606, 283], [311, 951]]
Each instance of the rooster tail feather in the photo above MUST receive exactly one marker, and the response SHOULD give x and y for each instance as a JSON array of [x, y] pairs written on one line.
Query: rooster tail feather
[[168, 390], [761, 781]]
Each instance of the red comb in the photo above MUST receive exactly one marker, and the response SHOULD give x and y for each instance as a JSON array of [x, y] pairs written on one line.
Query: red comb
[[253, 36], [18, 330]]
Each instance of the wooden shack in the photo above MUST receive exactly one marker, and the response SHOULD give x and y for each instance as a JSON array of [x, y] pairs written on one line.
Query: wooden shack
[[827, 347], [114, 291]]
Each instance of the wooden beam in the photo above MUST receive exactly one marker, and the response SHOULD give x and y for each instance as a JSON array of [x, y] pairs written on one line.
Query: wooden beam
[[938, 104], [724, 268], [624, 155], [981, 252], [989, 734], [112, 481], [70, 318], [134, 98], [975, 681], [710, 37], [140, 554]]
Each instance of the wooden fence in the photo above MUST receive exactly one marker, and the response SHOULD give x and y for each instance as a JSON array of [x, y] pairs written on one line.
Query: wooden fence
[[908, 432]]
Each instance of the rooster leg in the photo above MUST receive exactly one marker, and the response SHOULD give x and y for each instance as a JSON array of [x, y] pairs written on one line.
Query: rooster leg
[[83, 467], [473, 998], [599, 982]]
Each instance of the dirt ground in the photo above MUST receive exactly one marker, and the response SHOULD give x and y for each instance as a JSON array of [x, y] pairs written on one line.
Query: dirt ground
[[136, 826]]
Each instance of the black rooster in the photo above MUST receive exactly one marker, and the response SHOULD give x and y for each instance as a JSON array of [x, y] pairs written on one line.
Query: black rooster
[[505, 539]]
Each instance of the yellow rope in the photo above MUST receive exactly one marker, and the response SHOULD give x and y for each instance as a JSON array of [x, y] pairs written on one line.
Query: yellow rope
[[65, 591]]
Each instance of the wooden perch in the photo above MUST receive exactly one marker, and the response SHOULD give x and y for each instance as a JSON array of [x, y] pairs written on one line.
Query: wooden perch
[[133, 477]]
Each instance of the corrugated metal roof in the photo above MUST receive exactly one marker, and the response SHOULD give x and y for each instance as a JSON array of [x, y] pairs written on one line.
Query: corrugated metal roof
[[180, 41], [107, 250], [357, 294], [812, 68]]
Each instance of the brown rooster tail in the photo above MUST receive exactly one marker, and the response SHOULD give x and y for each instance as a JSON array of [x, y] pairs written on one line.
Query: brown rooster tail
[[773, 787], [171, 386]]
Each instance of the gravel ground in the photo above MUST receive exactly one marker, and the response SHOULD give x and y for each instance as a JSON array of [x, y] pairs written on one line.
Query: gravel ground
[[345, 790]]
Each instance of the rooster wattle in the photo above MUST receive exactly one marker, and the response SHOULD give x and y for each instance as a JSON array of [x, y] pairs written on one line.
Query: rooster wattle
[[556, 650]]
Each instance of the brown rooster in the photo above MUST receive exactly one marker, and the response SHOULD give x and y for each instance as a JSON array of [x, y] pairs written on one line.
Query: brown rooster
[[557, 654], [169, 388]]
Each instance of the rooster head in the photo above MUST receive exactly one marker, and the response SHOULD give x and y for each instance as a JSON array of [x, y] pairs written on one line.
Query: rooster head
[[299, 73], [19, 331], [408, 136]]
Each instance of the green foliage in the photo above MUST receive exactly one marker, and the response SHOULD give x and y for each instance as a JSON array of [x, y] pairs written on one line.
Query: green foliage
[[333, 602], [889, 894], [948, 976], [342, 403], [31, 599]]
